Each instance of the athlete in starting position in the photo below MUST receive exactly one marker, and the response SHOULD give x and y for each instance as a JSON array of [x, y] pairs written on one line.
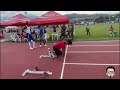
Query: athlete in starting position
[[60, 47]]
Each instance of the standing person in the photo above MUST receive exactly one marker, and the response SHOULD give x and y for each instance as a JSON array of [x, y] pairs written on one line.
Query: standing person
[[46, 36], [41, 35], [34, 34], [23, 35], [54, 32], [2, 32], [63, 31], [54, 29], [68, 31], [61, 45], [112, 31], [31, 40], [72, 31], [88, 29]]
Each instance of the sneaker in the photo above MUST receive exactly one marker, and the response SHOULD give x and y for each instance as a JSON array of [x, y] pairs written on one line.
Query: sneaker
[[31, 48], [40, 46], [45, 45], [34, 47]]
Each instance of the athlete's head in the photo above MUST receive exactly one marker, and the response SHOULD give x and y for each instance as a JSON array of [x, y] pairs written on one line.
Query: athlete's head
[[27, 23], [69, 41]]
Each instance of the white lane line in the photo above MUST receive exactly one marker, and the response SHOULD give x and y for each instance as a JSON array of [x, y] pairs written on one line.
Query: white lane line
[[93, 51], [97, 41], [92, 64], [61, 77], [92, 45]]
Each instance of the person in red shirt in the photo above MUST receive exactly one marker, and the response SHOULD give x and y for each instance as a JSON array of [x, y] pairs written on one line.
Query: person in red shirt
[[59, 47], [111, 28], [112, 31]]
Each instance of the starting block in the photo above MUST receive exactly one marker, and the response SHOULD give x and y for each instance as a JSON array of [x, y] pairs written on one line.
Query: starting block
[[35, 72], [49, 55]]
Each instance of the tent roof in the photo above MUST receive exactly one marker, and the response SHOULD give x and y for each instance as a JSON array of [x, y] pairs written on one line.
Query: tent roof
[[52, 14], [50, 17], [18, 20]]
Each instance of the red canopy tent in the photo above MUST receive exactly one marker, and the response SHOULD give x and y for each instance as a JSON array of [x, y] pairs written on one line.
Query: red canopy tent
[[18, 20], [49, 18]]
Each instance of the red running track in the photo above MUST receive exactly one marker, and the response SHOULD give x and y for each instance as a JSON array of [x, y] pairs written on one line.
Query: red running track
[[89, 60], [16, 58]]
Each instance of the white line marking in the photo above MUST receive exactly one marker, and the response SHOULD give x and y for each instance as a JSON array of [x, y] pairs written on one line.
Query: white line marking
[[61, 77], [92, 45], [98, 41], [92, 64], [93, 51]]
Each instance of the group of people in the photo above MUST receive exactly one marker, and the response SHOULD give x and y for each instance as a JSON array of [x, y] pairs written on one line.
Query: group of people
[[112, 31], [41, 33], [67, 31]]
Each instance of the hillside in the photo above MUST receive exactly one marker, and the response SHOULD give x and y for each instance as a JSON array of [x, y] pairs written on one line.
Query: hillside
[[71, 16], [74, 15]]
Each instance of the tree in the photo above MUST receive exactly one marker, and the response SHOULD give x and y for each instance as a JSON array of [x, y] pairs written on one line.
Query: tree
[[112, 18], [96, 20], [101, 19], [107, 19]]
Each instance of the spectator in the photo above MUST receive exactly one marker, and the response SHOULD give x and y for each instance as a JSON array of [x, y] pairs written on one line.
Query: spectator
[[88, 29], [63, 31], [54, 28], [34, 34], [23, 35], [68, 31], [41, 35], [112, 31], [46, 36], [72, 31]]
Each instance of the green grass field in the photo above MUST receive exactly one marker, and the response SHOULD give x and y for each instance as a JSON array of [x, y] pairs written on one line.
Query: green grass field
[[98, 32]]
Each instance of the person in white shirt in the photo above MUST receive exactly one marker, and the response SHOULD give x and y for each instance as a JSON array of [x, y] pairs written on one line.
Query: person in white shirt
[[46, 36], [31, 40]]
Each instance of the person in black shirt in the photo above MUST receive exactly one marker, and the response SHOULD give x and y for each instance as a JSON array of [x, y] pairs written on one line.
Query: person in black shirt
[[88, 29]]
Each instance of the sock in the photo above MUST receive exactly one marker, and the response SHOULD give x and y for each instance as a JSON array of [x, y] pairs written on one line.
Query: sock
[[33, 44], [30, 44]]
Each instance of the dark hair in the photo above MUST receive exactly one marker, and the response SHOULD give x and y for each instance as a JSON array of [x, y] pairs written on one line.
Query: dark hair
[[69, 41], [110, 67], [26, 22], [44, 31]]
